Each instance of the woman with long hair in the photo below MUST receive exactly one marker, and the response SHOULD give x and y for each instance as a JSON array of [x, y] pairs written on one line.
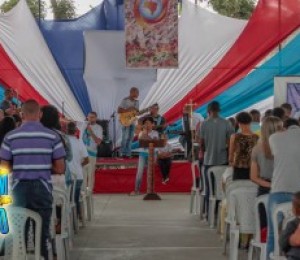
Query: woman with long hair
[[262, 162]]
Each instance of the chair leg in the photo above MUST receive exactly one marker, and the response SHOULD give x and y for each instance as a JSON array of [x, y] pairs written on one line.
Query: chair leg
[[234, 244], [263, 252], [75, 220], [192, 201], [60, 249], [250, 252], [89, 207], [226, 231], [211, 212], [197, 206], [201, 206], [67, 248]]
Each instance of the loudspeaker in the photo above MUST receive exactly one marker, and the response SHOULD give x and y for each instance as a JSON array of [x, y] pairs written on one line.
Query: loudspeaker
[[105, 127], [105, 149]]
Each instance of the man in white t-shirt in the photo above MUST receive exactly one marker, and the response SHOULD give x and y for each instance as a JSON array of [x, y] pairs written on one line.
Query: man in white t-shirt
[[92, 137], [147, 133], [79, 160]]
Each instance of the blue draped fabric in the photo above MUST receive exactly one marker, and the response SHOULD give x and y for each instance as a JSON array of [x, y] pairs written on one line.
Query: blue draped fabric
[[66, 42]]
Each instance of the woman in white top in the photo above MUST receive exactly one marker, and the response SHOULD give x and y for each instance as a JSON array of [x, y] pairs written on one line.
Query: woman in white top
[[79, 160]]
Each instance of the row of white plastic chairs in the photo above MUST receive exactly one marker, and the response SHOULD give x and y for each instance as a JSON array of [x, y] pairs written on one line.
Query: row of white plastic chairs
[[14, 244], [242, 211]]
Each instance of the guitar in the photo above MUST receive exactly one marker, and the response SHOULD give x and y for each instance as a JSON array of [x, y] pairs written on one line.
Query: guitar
[[128, 118]]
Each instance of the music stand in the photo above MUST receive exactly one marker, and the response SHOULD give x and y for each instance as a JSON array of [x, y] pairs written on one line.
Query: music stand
[[151, 144]]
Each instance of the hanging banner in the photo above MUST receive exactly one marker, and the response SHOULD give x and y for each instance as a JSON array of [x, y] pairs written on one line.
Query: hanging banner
[[151, 33]]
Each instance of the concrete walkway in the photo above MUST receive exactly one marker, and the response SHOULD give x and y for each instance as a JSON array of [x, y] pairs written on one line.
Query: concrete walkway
[[129, 228]]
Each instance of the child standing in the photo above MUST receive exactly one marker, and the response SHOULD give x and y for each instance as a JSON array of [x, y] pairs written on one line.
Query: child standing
[[146, 134]]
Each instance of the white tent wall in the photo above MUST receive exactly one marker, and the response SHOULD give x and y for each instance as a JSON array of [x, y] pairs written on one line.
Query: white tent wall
[[26, 47], [107, 79], [204, 38]]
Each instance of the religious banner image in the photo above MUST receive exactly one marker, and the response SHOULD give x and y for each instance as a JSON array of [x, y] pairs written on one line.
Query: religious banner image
[[151, 33]]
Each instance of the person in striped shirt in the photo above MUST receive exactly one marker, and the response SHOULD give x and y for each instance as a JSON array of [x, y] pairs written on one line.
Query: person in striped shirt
[[33, 152]]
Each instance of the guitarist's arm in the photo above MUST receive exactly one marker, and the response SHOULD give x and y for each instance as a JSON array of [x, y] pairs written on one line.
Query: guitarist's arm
[[125, 110]]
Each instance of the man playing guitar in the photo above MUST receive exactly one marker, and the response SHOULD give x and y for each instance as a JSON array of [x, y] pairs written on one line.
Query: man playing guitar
[[128, 104]]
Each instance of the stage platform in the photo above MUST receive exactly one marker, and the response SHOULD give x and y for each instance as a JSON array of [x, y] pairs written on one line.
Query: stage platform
[[118, 176]]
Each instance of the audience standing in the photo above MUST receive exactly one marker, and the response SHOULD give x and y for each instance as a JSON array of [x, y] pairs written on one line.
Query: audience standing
[[255, 124], [287, 110], [285, 147], [8, 105], [31, 168], [263, 162], [279, 112], [215, 134], [6, 125], [79, 160], [241, 145], [50, 119]]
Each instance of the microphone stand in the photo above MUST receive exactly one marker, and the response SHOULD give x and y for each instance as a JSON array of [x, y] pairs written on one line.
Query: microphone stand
[[113, 118]]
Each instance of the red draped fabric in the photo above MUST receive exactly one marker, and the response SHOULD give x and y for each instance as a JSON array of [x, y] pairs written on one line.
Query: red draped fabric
[[270, 24], [11, 77]]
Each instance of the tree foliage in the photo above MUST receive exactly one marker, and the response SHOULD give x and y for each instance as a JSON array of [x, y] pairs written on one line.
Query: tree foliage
[[241, 9], [33, 5], [63, 9]]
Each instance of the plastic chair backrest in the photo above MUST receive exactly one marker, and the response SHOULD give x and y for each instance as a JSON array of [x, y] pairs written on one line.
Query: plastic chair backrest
[[242, 202], [286, 211], [260, 201], [15, 246], [215, 181]]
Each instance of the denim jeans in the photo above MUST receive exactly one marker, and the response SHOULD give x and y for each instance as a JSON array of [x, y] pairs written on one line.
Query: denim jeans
[[139, 174], [127, 137], [36, 195], [274, 200]]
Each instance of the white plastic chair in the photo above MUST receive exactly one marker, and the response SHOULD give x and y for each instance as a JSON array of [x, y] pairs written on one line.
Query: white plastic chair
[[214, 173], [286, 210], [242, 213], [195, 191], [230, 187], [15, 246], [256, 241], [60, 198]]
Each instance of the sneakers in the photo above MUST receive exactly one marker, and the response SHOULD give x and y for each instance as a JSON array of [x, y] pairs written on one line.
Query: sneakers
[[165, 181], [134, 193]]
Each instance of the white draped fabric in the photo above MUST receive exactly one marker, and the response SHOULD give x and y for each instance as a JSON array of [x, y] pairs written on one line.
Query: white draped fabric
[[107, 79], [26, 47], [204, 38]]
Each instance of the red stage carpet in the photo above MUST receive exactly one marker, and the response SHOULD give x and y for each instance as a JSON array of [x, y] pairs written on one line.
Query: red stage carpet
[[122, 180]]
